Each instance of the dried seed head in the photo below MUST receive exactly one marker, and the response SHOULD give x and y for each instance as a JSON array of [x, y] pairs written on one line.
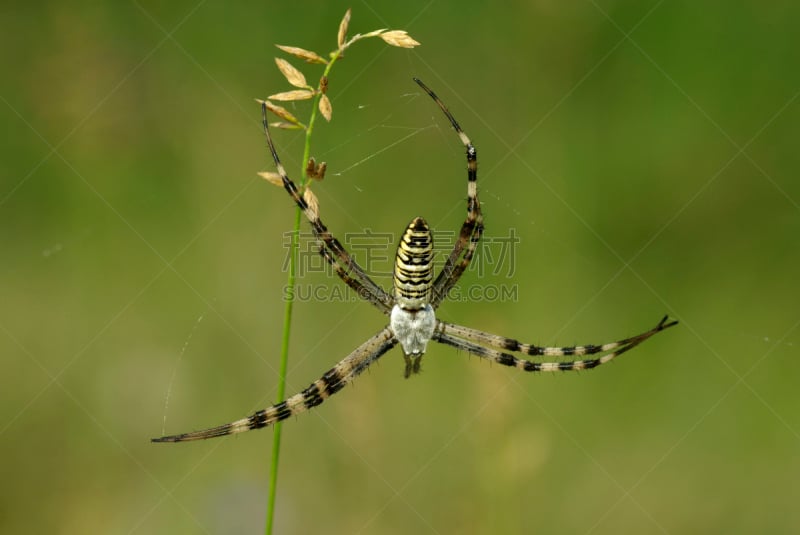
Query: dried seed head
[[302, 53], [311, 167], [399, 38], [343, 29], [315, 171], [273, 178], [311, 201], [325, 107], [319, 174], [287, 126], [297, 94], [280, 111], [294, 76]]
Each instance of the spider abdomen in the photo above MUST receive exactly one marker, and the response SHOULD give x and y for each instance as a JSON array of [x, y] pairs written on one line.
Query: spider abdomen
[[413, 268]]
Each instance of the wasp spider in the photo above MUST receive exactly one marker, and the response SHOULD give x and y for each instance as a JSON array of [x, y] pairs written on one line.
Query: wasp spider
[[411, 306]]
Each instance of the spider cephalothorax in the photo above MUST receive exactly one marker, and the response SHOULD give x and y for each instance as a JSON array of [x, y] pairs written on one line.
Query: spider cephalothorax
[[411, 305]]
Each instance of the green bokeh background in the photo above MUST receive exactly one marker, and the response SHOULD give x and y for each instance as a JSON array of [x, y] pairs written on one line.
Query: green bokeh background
[[645, 153]]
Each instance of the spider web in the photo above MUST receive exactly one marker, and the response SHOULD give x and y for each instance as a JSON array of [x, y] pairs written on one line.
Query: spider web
[[175, 370], [357, 173]]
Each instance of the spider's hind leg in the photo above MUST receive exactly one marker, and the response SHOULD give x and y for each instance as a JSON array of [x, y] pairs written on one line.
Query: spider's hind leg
[[491, 346], [331, 382]]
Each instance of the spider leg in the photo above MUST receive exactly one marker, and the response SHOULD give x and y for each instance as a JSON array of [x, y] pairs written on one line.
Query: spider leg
[[331, 382], [472, 228], [456, 272], [510, 344], [321, 231], [464, 338], [355, 284]]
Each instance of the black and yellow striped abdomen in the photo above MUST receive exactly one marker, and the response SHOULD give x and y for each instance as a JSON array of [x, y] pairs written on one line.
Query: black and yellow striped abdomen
[[413, 267]]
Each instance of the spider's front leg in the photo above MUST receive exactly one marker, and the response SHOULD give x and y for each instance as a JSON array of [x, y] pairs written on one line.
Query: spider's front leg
[[491, 346], [373, 293], [472, 228], [354, 283]]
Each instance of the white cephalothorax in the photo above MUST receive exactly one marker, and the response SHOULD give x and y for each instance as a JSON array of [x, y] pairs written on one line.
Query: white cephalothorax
[[413, 328]]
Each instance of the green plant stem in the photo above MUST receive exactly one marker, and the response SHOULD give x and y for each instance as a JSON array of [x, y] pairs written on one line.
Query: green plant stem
[[287, 313], [287, 323]]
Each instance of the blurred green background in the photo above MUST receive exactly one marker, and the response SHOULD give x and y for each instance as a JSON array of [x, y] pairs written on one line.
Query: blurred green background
[[645, 154]]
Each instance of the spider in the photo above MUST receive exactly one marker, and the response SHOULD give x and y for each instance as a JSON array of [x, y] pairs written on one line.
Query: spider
[[411, 306]]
